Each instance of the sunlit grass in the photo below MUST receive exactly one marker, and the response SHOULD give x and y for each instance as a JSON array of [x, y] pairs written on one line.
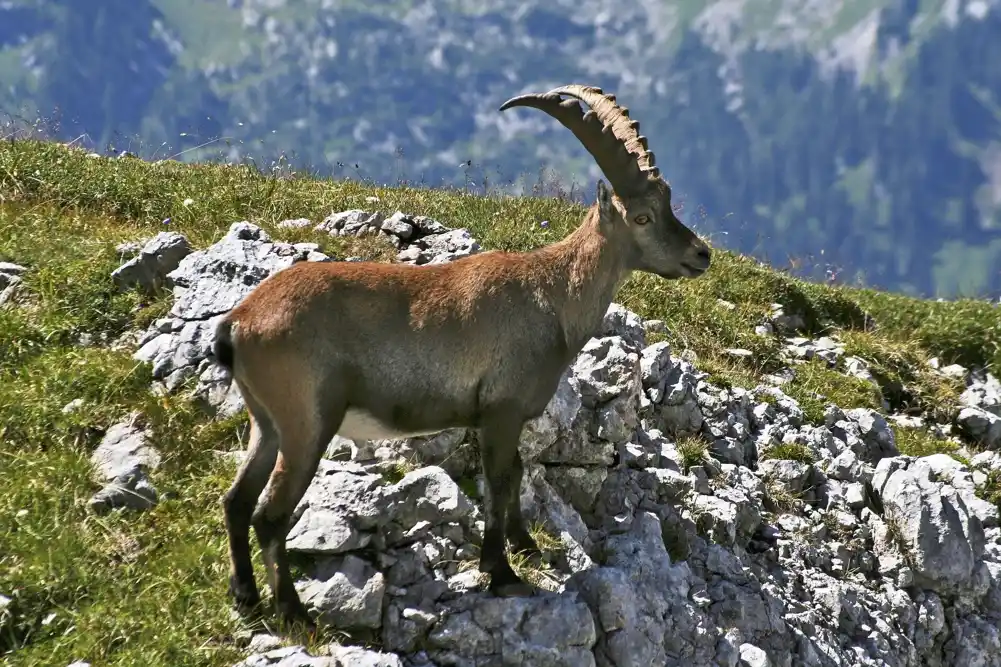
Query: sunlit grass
[[149, 589]]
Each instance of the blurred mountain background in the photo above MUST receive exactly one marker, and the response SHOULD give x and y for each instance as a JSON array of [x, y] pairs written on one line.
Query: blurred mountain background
[[849, 140]]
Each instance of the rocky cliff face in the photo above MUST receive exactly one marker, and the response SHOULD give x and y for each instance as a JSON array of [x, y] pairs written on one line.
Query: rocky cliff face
[[682, 523]]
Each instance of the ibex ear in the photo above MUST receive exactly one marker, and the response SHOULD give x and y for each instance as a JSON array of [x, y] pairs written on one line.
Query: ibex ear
[[604, 199]]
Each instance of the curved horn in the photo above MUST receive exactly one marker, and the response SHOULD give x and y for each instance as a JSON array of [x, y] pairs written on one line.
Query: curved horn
[[606, 131], [610, 113]]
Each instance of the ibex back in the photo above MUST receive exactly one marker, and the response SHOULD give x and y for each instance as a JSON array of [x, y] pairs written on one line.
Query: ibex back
[[369, 350]]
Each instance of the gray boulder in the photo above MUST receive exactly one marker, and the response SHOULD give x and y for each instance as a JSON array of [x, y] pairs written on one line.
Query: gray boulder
[[121, 464], [207, 284], [11, 281], [544, 631], [150, 269], [937, 531]]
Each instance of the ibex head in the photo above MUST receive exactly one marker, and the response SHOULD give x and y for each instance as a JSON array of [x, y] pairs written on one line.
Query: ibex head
[[644, 218]]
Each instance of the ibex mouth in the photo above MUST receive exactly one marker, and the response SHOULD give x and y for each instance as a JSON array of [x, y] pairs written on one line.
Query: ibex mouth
[[694, 270], [697, 260]]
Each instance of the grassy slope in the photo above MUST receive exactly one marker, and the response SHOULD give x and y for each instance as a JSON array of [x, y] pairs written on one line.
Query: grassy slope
[[149, 589]]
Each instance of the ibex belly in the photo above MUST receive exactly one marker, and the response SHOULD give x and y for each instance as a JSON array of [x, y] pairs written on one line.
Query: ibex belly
[[360, 424]]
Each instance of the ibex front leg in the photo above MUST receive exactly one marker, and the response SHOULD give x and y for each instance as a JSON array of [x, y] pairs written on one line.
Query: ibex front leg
[[517, 532], [503, 471]]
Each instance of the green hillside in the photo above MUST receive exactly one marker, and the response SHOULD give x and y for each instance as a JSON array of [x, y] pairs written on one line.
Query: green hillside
[[128, 590]]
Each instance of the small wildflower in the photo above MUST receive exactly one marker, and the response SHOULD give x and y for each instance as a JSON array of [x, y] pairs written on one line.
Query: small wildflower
[[544, 223], [166, 221], [188, 202]]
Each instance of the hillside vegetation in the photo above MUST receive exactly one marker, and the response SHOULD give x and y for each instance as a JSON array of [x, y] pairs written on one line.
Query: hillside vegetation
[[864, 135], [150, 589]]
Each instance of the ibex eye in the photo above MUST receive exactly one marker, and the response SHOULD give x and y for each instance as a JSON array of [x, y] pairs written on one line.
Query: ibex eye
[[642, 219]]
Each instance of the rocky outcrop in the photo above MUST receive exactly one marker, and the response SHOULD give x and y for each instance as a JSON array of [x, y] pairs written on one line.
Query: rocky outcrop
[[121, 463], [11, 280], [851, 554], [206, 285], [149, 268]]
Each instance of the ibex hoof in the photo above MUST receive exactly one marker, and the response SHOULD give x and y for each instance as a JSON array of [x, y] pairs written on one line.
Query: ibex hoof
[[295, 616], [506, 584], [518, 589], [246, 599]]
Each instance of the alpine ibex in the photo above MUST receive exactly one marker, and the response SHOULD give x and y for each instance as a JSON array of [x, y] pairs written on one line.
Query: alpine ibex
[[371, 351]]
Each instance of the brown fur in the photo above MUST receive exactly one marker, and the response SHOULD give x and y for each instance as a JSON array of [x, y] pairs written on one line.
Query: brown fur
[[374, 350]]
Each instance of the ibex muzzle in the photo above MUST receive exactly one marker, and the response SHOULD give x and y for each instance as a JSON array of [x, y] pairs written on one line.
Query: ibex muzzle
[[369, 350]]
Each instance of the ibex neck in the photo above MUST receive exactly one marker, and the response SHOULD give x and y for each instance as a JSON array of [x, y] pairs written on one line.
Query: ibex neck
[[594, 265]]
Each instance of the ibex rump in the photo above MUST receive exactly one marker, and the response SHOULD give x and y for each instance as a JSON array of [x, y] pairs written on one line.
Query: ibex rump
[[370, 351]]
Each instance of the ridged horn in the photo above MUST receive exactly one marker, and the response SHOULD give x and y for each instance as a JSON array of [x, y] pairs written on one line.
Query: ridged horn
[[605, 131]]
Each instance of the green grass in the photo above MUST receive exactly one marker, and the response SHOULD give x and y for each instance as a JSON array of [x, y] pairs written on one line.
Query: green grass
[[149, 589], [991, 489], [908, 383], [121, 589], [816, 386], [920, 442], [789, 451], [693, 451]]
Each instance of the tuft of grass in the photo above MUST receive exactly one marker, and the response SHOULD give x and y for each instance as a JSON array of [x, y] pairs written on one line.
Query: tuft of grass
[[767, 398], [918, 442], [396, 470], [964, 331], [546, 541], [693, 450], [816, 386], [990, 490], [537, 573], [780, 500], [894, 538], [730, 372], [908, 383], [789, 451]]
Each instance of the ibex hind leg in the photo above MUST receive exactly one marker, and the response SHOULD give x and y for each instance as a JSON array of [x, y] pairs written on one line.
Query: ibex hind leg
[[498, 452], [240, 500], [303, 439]]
